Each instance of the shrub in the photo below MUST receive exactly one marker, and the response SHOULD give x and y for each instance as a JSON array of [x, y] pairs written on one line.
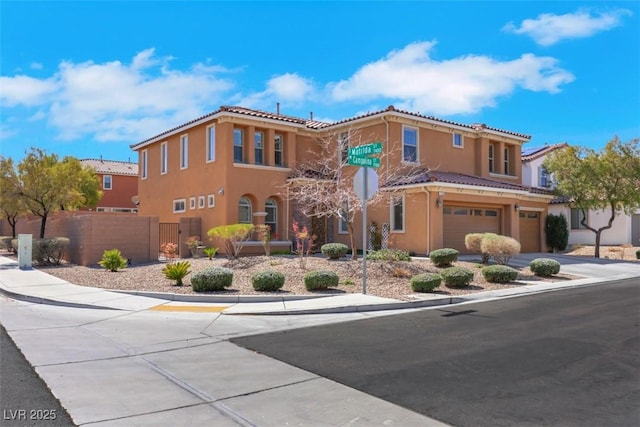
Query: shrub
[[400, 272], [233, 237], [210, 252], [638, 254], [557, 232], [389, 255], [212, 279], [47, 251], [425, 282], [267, 281], [499, 274], [170, 250], [113, 260], [544, 267], [5, 242], [456, 277], [443, 257], [473, 243], [500, 248], [320, 279], [334, 250], [177, 271]]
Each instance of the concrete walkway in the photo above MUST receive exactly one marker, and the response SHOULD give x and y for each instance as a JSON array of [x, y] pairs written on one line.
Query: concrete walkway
[[38, 287]]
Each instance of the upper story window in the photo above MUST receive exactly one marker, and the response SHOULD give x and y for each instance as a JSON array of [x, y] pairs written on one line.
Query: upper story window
[[271, 208], [211, 144], [577, 215], [343, 146], [277, 149], [507, 166], [458, 140], [397, 213], [258, 143], [179, 206], [143, 163], [492, 149], [106, 182], [163, 158], [544, 177], [184, 151], [409, 144], [244, 211], [238, 145]]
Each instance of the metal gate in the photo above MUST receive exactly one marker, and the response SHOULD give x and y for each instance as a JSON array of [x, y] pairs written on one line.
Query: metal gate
[[169, 233]]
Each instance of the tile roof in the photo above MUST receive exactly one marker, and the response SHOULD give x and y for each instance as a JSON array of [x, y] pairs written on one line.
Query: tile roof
[[111, 167], [424, 177], [532, 153]]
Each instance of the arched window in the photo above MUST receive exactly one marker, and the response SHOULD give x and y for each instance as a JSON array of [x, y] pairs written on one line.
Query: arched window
[[244, 211], [271, 208]]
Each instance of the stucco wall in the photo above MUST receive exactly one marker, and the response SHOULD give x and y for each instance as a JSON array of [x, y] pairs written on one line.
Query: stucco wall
[[618, 234]]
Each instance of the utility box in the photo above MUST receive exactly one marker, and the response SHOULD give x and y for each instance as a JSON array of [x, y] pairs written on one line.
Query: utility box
[[25, 243]]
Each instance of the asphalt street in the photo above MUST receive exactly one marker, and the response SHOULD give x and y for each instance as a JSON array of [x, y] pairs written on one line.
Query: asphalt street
[[569, 358]]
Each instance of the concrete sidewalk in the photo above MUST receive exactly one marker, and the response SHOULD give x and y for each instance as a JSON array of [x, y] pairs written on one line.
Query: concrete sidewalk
[[38, 287]]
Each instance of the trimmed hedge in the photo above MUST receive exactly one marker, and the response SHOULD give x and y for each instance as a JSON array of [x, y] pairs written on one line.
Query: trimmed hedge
[[334, 250], [499, 274], [544, 267], [389, 255], [267, 281], [212, 279], [425, 282], [320, 279], [443, 257], [456, 277]]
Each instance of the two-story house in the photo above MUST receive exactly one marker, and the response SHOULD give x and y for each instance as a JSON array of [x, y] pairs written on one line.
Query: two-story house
[[625, 228], [118, 183], [233, 164]]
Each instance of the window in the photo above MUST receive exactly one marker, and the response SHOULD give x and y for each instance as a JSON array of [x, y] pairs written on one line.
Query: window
[[545, 179], [409, 144], [212, 200], [258, 142], [491, 157], [342, 221], [179, 206], [106, 182], [244, 211], [163, 158], [192, 202], [143, 160], [184, 151], [458, 140], [397, 213], [506, 161], [200, 202], [277, 148], [343, 146], [577, 215], [490, 213], [271, 208], [211, 144], [238, 145]]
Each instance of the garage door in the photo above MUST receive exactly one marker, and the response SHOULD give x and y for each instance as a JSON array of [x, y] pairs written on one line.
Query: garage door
[[529, 231], [459, 221]]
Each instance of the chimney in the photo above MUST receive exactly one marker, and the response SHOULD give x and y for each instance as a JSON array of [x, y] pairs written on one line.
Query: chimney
[[311, 115], [277, 108]]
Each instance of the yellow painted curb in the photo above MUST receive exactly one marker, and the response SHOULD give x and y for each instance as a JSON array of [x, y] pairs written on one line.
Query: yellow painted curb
[[190, 308]]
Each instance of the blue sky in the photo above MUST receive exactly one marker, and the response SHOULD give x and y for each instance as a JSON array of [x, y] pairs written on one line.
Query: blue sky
[[91, 78]]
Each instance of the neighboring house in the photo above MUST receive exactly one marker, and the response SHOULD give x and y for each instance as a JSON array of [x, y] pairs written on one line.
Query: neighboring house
[[232, 165], [118, 183], [625, 228]]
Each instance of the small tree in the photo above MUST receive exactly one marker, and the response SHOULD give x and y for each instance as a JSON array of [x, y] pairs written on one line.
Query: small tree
[[233, 237], [264, 234], [304, 243], [11, 205], [557, 232]]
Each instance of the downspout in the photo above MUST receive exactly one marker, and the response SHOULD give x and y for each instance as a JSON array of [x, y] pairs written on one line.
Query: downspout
[[288, 206], [424, 190], [386, 122]]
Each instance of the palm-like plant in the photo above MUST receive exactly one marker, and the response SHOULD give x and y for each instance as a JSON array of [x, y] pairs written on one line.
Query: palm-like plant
[[177, 271]]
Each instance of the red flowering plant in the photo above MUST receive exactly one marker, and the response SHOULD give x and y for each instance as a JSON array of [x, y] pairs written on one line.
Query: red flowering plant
[[169, 250], [304, 243]]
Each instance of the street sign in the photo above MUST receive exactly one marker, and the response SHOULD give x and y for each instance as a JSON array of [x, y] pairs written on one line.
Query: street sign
[[368, 162], [365, 150]]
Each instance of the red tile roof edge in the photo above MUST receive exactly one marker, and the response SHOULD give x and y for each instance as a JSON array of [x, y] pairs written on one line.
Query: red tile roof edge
[[544, 151]]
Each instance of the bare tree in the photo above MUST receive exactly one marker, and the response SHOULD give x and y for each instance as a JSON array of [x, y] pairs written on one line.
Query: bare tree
[[322, 186]]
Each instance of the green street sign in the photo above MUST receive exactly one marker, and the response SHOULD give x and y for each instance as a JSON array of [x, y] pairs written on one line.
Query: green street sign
[[369, 162], [365, 150]]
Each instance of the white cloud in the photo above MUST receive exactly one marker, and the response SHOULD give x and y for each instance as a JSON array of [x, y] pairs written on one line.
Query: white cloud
[[548, 28], [412, 80], [36, 66], [117, 101], [285, 88]]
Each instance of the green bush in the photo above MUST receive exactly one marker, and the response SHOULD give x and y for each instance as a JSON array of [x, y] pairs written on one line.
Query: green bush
[[556, 232], [500, 248], [210, 252], [499, 274], [456, 277], [334, 250], [113, 260], [233, 236], [212, 279], [638, 254], [47, 251], [267, 281], [5, 242], [544, 267], [443, 257], [389, 255], [425, 282], [320, 279], [177, 271]]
